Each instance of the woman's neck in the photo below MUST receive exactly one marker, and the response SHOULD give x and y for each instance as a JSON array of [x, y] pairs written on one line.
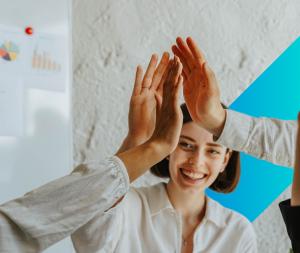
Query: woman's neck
[[189, 203]]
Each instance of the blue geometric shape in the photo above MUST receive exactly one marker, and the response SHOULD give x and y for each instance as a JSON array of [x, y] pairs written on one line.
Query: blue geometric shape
[[275, 94]]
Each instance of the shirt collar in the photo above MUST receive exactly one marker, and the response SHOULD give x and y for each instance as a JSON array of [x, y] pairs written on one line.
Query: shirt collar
[[159, 201], [214, 212]]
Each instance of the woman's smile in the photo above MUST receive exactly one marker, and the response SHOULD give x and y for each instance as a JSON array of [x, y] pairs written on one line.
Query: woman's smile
[[192, 177]]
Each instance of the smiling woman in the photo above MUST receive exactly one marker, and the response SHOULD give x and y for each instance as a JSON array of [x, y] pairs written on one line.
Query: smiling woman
[[196, 164], [227, 179]]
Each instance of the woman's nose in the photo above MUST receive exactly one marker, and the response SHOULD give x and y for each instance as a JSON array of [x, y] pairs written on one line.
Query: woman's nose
[[196, 158]]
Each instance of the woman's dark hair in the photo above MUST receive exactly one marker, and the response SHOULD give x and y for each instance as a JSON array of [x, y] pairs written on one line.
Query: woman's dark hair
[[225, 182]]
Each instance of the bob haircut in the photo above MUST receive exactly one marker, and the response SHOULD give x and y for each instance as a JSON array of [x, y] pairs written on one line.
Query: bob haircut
[[225, 182]]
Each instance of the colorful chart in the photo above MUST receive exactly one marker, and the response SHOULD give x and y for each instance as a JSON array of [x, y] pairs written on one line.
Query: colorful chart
[[9, 51], [43, 61]]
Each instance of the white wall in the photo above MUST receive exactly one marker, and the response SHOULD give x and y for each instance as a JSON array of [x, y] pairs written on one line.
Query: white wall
[[240, 38]]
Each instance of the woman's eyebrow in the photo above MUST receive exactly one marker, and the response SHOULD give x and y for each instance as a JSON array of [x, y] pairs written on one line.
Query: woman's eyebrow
[[187, 137], [214, 145], [211, 144]]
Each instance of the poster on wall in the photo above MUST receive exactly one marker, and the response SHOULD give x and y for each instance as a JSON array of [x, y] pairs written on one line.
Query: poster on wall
[[46, 63], [40, 60], [12, 52]]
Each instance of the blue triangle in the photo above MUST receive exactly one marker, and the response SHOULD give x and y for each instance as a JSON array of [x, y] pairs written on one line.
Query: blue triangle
[[275, 94]]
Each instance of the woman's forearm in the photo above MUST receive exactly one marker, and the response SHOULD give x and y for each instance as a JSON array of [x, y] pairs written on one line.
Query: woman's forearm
[[295, 200], [54, 211], [139, 159]]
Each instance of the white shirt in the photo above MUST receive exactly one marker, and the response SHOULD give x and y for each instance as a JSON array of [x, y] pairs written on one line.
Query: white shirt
[[269, 139], [58, 209], [144, 221]]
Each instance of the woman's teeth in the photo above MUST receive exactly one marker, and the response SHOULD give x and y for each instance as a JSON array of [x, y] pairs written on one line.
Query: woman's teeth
[[193, 175]]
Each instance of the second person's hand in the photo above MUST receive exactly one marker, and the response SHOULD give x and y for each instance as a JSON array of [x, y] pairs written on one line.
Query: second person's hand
[[169, 117], [201, 91], [295, 199]]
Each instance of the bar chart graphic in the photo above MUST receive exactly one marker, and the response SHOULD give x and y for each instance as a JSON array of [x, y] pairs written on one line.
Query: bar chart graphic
[[43, 61]]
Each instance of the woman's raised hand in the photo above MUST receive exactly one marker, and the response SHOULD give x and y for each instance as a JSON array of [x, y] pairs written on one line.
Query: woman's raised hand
[[169, 117], [139, 158], [146, 98], [201, 91]]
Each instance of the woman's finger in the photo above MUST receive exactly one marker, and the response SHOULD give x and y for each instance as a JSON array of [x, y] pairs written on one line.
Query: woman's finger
[[197, 53], [178, 70], [167, 83], [178, 53], [178, 88], [161, 68], [146, 84], [138, 81], [186, 52], [160, 87], [176, 73], [173, 77]]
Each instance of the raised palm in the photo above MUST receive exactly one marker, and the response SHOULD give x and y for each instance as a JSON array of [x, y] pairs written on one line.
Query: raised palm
[[198, 93], [146, 99], [201, 91]]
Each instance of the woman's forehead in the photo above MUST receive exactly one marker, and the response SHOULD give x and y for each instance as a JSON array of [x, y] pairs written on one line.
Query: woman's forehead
[[191, 130]]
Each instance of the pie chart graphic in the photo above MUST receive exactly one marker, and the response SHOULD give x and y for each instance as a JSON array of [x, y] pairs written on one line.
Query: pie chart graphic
[[9, 51]]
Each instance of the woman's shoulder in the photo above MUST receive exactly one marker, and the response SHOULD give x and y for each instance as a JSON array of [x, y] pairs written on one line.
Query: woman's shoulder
[[226, 217], [149, 189], [153, 198], [233, 226], [148, 193]]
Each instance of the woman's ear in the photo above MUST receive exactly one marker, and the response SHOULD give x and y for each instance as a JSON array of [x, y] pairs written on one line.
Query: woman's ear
[[227, 156]]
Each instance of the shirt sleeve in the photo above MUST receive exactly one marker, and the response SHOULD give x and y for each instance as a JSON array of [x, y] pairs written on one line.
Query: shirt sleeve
[[291, 217], [54, 211], [268, 139]]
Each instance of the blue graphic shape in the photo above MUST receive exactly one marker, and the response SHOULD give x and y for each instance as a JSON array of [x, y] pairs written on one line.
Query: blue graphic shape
[[275, 94]]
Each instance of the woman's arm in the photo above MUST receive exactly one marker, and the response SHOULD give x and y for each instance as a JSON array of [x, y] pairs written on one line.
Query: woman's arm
[[269, 139], [290, 209], [295, 201], [52, 212], [265, 138]]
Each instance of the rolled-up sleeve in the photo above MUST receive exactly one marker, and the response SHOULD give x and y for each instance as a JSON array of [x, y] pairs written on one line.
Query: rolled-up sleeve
[[54, 211], [268, 139]]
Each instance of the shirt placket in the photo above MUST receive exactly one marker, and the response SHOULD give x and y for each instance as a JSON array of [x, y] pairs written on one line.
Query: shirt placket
[[178, 221]]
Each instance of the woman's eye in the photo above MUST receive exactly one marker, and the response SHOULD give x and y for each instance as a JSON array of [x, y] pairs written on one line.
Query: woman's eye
[[213, 152], [186, 145]]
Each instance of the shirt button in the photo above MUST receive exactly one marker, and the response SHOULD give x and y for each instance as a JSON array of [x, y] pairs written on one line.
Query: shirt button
[[114, 174]]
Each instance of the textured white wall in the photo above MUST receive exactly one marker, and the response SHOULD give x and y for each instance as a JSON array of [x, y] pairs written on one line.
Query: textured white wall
[[240, 38]]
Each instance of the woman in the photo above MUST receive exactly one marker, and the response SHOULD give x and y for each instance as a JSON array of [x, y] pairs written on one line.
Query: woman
[[173, 217], [95, 205]]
